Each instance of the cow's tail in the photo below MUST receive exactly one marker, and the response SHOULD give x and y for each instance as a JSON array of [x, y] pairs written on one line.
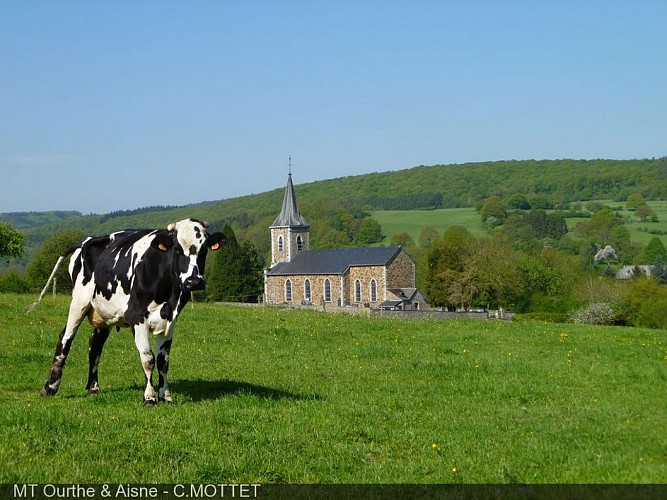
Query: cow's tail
[[67, 252]]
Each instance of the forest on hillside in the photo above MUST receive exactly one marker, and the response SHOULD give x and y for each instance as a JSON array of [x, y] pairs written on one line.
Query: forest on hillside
[[546, 183]]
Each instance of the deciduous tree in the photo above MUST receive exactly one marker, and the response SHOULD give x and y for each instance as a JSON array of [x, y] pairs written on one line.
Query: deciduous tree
[[39, 269], [11, 241]]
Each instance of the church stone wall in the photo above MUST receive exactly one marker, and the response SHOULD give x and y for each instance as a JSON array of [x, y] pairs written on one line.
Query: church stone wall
[[275, 288], [365, 275], [401, 272]]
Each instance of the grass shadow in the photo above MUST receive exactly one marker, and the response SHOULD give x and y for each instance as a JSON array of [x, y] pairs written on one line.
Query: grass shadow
[[201, 390]]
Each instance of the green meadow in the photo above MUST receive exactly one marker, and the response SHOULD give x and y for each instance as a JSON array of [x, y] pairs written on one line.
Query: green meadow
[[281, 396], [412, 221]]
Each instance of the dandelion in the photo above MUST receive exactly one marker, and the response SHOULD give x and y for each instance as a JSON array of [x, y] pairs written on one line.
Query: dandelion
[[434, 446], [454, 469]]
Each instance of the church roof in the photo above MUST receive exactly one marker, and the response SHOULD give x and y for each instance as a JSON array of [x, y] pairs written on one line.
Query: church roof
[[289, 214], [335, 261]]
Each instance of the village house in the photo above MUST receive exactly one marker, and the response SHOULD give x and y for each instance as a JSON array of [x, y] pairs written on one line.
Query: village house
[[628, 272], [375, 277]]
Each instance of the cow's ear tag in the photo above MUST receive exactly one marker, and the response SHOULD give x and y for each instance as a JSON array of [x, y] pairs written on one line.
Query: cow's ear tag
[[215, 246], [162, 247]]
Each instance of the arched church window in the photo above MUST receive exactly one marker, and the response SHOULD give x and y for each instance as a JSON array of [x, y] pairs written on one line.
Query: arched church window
[[327, 290], [306, 290], [288, 291]]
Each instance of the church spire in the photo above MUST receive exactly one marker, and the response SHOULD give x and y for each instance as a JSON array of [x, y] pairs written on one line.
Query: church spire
[[289, 214]]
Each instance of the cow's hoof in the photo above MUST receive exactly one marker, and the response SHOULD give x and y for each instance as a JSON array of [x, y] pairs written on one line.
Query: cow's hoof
[[94, 392], [48, 391], [168, 401], [150, 403]]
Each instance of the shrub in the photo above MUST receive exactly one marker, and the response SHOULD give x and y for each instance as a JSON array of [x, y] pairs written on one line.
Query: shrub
[[13, 283], [653, 314], [641, 294], [596, 313]]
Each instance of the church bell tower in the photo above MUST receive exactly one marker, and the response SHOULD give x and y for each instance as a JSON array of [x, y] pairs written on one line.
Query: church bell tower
[[290, 233]]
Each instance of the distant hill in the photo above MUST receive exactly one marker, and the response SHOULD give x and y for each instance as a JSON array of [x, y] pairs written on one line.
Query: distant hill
[[439, 186], [24, 220]]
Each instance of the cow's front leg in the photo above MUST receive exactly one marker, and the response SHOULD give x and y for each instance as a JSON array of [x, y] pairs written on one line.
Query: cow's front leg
[[141, 340], [163, 347], [95, 346]]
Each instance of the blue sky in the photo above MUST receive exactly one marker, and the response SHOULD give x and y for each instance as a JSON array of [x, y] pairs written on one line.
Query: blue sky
[[118, 105]]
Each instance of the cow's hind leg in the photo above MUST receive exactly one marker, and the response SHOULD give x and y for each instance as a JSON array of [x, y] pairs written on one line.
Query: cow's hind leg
[[163, 347], [76, 314], [147, 363], [95, 346], [55, 376]]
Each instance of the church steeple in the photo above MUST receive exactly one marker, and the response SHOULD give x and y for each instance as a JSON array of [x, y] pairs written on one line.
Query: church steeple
[[290, 233], [289, 214]]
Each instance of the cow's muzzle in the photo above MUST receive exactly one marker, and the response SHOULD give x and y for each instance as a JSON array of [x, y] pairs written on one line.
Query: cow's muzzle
[[194, 283]]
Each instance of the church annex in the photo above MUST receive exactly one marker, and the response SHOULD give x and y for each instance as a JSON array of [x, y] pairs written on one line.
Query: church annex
[[375, 277]]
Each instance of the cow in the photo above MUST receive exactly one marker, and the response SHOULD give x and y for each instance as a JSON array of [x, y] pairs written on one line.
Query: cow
[[141, 279]]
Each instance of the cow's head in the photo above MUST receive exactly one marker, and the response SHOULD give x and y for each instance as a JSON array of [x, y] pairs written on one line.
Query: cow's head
[[190, 243]]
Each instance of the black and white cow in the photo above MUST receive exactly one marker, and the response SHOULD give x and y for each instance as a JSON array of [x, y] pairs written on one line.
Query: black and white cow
[[139, 279]]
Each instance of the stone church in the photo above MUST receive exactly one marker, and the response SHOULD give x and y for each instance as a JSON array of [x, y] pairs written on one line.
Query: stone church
[[375, 277]]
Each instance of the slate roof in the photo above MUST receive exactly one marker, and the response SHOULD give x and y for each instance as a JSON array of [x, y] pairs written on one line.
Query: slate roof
[[289, 214], [335, 261]]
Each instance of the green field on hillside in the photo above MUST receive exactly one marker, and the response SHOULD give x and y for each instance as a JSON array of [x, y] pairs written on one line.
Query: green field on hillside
[[412, 221], [639, 230], [280, 396]]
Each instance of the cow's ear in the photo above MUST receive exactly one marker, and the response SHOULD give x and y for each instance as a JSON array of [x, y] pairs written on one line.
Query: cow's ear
[[216, 240], [162, 242]]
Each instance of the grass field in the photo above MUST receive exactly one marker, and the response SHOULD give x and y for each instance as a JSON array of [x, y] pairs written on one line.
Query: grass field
[[266, 395], [412, 221]]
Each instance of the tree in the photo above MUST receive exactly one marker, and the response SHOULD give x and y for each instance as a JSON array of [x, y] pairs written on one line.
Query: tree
[[427, 236], [644, 212], [634, 200], [654, 249], [402, 239], [41, 266], [599, 228], [11, 242], [493, 211], [370, 232], [518, 201], [659, 271], [344, 221], [445, 263], [495, 271], [235, 272]]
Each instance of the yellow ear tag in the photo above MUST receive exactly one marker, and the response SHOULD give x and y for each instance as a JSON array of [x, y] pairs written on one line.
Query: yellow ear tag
[[215, 246], [162, 247]]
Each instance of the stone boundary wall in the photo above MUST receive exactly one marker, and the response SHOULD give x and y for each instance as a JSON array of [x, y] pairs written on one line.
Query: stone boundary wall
[[365, 311], [443, 315]]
